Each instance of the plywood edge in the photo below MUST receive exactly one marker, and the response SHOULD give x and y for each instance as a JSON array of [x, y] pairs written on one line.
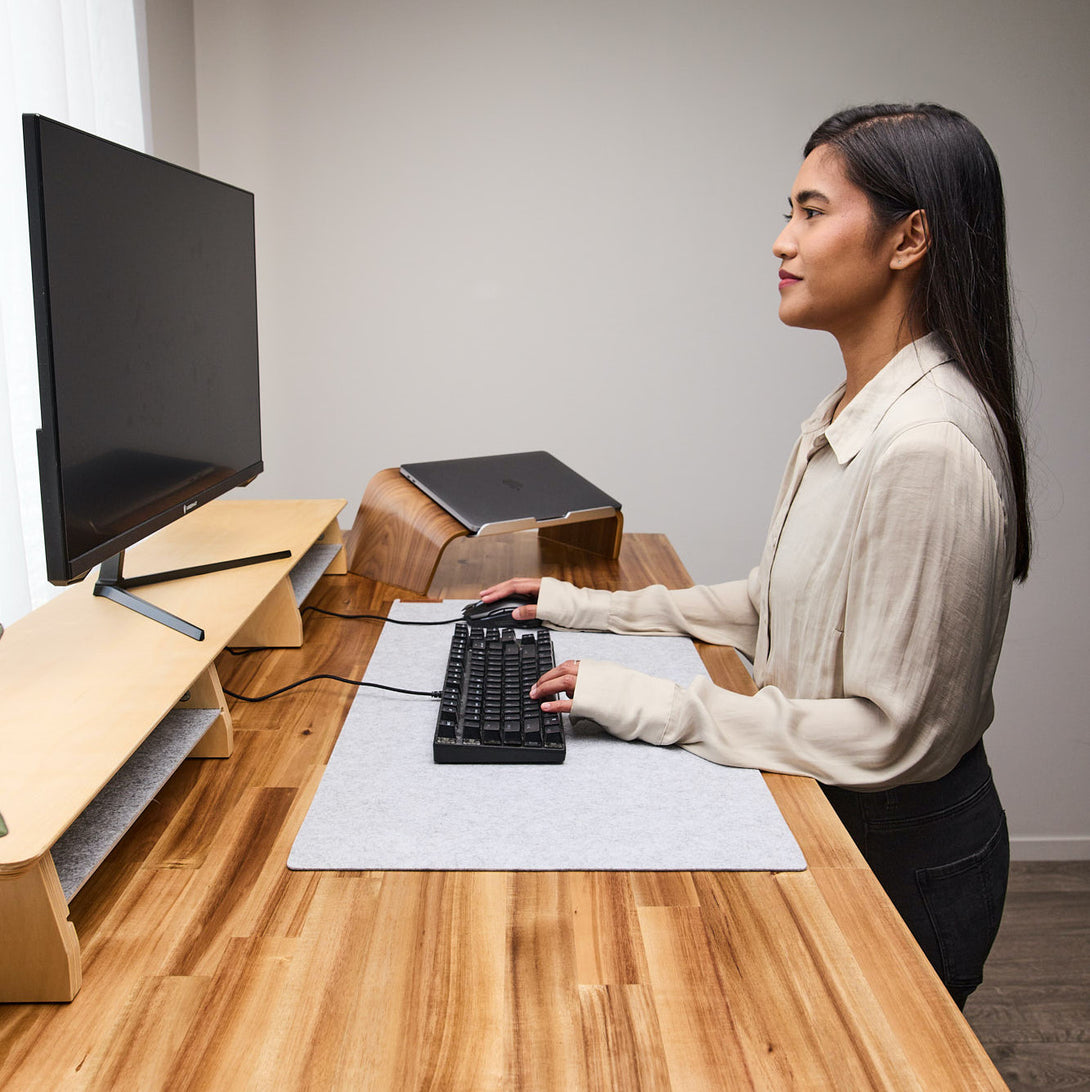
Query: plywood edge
[[206, 693], [276, 623], [39, 956], [333, 535]]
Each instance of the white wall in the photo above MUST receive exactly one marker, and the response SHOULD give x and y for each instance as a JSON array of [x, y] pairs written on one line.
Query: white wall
[[172, 81], [587, 191]]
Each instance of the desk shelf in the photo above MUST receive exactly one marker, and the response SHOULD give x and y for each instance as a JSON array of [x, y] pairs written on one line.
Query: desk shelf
[[88, 841], [103, 823], [101, 706]]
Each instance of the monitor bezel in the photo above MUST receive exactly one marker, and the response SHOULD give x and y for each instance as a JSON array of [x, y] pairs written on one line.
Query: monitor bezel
[[61, 567]]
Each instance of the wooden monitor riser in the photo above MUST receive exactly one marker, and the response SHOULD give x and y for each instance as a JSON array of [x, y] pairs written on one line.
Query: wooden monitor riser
[[85, 683]]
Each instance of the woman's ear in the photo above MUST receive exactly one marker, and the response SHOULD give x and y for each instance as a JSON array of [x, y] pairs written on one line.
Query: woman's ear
[[912, 240]]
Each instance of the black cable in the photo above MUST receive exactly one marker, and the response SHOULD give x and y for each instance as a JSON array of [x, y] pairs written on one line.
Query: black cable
[[336, 678], [352, 617]]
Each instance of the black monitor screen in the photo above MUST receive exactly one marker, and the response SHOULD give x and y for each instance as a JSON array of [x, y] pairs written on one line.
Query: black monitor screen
[[146, 309]]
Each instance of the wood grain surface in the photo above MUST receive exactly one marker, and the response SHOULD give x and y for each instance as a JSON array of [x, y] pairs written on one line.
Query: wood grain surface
[[207, 964], [399, 533]]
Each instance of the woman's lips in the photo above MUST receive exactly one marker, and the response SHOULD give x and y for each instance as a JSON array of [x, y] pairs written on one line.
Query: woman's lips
[[788, 278]]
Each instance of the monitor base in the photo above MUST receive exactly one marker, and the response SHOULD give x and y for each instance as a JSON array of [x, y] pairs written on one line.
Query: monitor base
[[113, 586]]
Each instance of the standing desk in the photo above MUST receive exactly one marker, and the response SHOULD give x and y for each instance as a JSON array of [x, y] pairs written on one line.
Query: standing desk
[[743, 979], [208, 962]]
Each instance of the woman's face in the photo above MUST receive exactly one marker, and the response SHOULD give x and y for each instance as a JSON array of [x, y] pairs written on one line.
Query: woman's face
[[835, 261]]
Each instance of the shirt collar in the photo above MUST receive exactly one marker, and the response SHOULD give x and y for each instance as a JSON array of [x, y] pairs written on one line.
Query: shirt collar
[[860, 417]]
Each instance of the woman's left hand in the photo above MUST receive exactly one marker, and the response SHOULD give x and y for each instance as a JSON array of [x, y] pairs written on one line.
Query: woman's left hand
[[559, 680]]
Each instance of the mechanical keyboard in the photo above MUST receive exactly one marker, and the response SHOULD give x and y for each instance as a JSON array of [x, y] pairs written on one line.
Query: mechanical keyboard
[[486, 713]]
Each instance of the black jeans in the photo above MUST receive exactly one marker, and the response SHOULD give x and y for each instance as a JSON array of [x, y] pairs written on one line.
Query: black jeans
[[941, 851]]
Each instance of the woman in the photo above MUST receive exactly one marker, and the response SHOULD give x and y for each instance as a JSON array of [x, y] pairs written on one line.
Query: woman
[[876, 615]]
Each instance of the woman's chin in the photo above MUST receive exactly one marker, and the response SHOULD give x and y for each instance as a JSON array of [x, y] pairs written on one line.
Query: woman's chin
[[792, 316]]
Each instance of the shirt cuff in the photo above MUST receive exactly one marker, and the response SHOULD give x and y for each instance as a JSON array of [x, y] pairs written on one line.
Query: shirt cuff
[[562, 604], [626, 703]]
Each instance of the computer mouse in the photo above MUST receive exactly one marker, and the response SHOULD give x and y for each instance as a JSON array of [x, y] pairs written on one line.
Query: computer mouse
[[498, 613]]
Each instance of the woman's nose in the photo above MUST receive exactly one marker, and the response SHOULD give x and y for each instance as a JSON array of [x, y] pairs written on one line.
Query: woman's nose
[[784, 246]]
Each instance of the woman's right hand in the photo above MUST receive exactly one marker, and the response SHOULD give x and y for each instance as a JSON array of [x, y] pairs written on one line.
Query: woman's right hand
[[519, 585]]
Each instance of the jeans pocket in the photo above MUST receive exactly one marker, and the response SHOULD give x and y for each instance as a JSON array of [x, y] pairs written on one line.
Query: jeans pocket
[[964, 900]]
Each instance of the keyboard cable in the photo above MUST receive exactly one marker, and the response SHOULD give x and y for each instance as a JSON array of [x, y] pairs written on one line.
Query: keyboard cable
[[434, 694]]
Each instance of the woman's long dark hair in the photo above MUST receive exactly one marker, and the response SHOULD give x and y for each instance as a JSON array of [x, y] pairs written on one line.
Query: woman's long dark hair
[[927, 157]]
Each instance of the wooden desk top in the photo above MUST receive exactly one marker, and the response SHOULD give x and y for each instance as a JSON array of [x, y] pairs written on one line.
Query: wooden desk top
[[207, 960]]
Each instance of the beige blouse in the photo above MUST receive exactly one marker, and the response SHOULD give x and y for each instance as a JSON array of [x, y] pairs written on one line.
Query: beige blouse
[[876, 616]]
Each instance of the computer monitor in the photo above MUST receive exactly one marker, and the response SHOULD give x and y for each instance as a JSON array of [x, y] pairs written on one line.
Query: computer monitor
[[145, 301]]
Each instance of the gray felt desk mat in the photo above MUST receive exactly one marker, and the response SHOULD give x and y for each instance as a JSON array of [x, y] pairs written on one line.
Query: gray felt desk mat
[[384, 804]]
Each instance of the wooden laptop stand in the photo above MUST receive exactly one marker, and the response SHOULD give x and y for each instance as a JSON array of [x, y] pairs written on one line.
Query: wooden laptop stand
[[400, 533]]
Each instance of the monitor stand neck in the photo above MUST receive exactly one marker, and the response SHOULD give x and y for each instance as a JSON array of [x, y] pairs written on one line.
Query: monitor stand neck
[[113, 586]]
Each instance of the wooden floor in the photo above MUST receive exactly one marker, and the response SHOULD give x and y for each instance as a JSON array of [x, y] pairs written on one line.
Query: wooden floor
[[1033, 1011]]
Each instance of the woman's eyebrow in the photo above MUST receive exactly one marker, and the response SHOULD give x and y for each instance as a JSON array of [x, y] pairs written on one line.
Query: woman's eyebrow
[[808, 195]]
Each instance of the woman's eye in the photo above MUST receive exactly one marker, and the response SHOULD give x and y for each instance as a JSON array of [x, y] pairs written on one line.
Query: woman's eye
[[808, 214]]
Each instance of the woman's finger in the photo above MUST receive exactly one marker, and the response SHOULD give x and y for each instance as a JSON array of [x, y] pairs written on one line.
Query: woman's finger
[[558, 680], [518, 585]]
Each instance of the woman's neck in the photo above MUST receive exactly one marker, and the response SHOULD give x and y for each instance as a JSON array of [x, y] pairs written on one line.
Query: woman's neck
[[867, 352]]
